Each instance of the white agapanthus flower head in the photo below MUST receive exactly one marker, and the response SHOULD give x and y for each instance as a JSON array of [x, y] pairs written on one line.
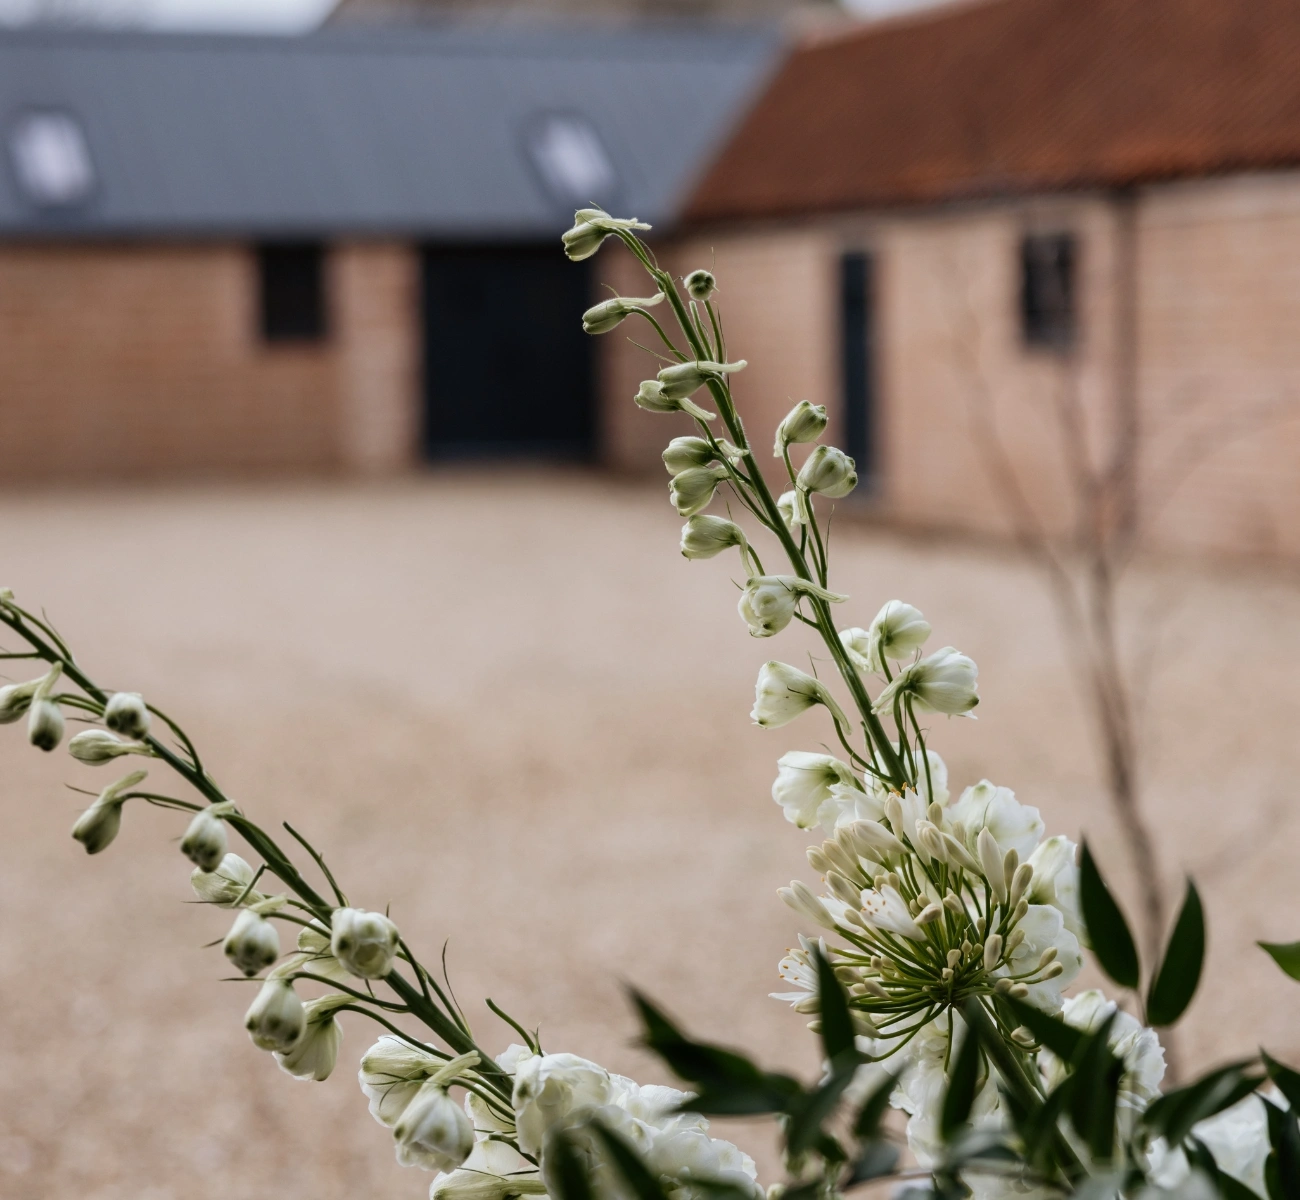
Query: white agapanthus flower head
[[942, 682], [803, 787]]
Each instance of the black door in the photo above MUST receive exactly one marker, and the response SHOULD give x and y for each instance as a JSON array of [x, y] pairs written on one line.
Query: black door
[[857, 360], [507, 368]]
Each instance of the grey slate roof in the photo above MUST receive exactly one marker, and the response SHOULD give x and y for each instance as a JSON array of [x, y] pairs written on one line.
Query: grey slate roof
[[399, 131]]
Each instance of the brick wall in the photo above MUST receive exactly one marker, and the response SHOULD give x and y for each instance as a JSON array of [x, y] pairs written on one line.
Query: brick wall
[[145, 360]]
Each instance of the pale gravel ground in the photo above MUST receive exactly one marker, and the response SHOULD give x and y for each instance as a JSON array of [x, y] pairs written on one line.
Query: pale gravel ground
[[517, 715]]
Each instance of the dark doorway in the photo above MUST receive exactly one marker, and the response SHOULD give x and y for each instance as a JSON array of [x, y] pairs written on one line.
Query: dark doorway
[[507, 368], [857, 355]]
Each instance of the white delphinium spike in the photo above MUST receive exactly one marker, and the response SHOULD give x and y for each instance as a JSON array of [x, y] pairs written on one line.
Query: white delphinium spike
[[16, 699], [800, 898], [433, 1131], [683, 452], [805, 422], [126, 713], [784, 692], [276, 1020], [45, 722], [793, 510], [803, 785], [943, 682], [252, 944], [768, 603], [364, 942], [99, 824], [204, 842], [591, 226], [692, 489], [700, 285], [94, 747], [896, 633], [991, 865], [317, 1050], [829, 472], [685, 379], [610, 314], [652, 397], [227, 884], [704, 536], [884, 908]]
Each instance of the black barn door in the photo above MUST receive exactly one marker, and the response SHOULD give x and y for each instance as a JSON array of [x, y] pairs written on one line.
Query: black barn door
[[507, 368]]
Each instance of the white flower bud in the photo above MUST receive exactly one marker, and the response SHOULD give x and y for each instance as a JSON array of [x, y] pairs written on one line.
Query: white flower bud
[[783, 693], [99, 824], [842, 889], [609, 314], [931, 840], [433, 1132], [44, 719], [316, 1052], [991, 863], [803, 423], [275, 1020], [801, 899], [252, 944], [693, 489], [652, 397], [943, 682], [958, 855], [591, 226], [97, 746], [685, 379], [828, 471], [364, 942], [700, 285], [226, 884], [929, 914], [16, 699], [898, 630], [1020, 882], [704, 536], [126, 713], [875, 842], [792, 509], [205, 842], [768, 603], [683, 452], [992, 951]]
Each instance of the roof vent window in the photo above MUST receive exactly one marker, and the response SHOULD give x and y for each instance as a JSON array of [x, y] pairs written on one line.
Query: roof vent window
[[51, 159], [573, 163]]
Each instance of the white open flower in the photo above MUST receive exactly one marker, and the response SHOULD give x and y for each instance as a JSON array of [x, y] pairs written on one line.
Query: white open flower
[[316, 1052], [364, 942], [550, 1089], [943, 682], [828, 471], [896, 633], [126, 713], [99, 824], [768, 603], [493, 1171], [1056, 880], [392, 1071], [226, 884], [433, 1131], [609, 314], [591, 226], [793, 510], [1014, 826], [803, 785], [798, 969], [252, 944], [883, 908], [783, 693], [1044, 929], [803, 423], [276, 1020], [1136, 1046], [1238, 1139]]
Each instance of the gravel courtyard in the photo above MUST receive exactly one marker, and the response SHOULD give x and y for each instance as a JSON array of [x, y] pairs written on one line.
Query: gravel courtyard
[[517, 715]]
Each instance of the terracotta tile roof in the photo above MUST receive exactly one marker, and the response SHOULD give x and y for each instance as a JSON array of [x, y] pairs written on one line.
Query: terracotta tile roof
[[1017, 95]]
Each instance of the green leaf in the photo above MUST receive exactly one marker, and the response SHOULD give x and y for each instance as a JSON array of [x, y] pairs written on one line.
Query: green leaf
[[1061, 1039], [837, 1025], [566, 1169], [1112, 942], [1285, 954], [962, 1083], [729, 1084], [629, 1164], [1095, 1091], [875, 1158], [867, 1123], [1198, 1154], [1287, 1080], [1179, 974], [806, 1119], [1282, 1167], [1172, 1115]]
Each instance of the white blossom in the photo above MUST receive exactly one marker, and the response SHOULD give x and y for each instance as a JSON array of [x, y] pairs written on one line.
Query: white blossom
[[704, 536], [391, 1073], [1044, 929], [1136, 1046], [783, 693], [226, 884], [692, 489], [803, 787], [798, 969], [205, 841], [803, 423], [768, 603], [364, 942], [609, 314], [800, 898], [275, 1020], [551, 1088], [97, 746], [683, 452], [493, 1171], [433, 1131], [99, 824], [652, 396], [700, 285], [1056, 880], [1238, 1139], [252, 944], [943, 682], [16, 699], [896, 633], [317, 1050], [684, 379], [591, 226], [883, 908], [1014, 826], [126, 713], [828, 471], [793, 510]]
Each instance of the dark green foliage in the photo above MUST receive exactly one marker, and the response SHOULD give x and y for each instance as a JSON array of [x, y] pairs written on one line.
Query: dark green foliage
[[1173, 1114], [963, 1081], [1108, 932], [1179, 974], [1282, 1167], [1285, 954]]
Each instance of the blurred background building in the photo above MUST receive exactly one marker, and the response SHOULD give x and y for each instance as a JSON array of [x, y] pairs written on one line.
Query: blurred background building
[[238, 254]]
